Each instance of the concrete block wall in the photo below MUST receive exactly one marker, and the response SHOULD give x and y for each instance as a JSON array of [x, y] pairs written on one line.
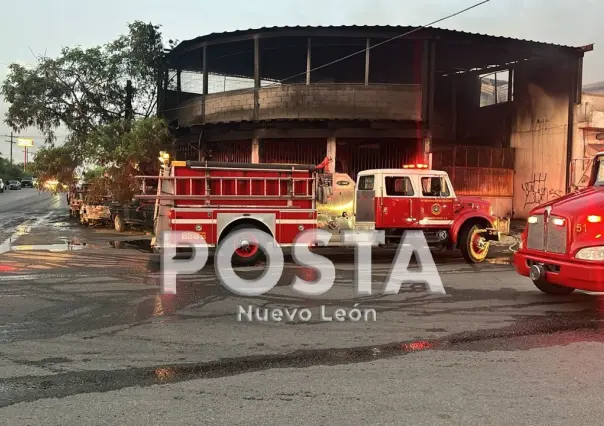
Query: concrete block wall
[[392, 102], [230, 106], [317, 101]]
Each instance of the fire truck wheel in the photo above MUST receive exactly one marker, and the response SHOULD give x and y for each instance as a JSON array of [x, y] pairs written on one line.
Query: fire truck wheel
[[548, 288], [246, 253], [474, 247], [119, 223]]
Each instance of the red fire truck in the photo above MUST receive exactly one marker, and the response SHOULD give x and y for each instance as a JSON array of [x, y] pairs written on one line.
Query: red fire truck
[[562, 246], [214, 199]]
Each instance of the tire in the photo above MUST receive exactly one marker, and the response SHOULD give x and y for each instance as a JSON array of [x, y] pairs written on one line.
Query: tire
[[252, 256], [548, 288], [119, 224], [468, 245]]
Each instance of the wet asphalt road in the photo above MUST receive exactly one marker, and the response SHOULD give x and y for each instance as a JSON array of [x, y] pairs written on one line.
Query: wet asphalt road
[[87, 338]]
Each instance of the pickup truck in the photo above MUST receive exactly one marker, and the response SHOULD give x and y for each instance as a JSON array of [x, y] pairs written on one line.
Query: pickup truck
[[137, 215], [27, 182]]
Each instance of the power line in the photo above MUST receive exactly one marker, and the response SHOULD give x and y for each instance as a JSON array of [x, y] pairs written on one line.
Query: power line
[[343, 58], [34, 137]]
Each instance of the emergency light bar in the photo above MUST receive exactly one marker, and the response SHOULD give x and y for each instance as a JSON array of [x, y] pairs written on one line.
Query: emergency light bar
[[415, 166]]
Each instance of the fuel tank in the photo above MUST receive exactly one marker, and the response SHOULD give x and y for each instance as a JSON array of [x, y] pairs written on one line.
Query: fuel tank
[[335, 208]]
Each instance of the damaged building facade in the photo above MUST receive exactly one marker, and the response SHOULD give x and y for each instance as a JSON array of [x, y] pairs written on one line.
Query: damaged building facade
[[496, 113], [588, 138]]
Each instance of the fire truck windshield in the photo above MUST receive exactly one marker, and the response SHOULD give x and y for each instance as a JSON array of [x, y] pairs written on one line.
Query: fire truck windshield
[[435, 186], [599, 172]]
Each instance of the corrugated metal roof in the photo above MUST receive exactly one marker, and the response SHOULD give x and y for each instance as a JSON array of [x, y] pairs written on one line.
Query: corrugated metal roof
[[378, 28]]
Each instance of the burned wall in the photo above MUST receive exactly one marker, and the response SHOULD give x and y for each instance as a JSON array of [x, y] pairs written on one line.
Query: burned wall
[[589, 125], [459, 117], [540, 131]]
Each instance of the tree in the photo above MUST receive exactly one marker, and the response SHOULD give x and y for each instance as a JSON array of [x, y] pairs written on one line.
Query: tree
[[84, 89], [119, 152], [117, 145], [126, 153], [10, 171], [93, 173], [57, 163]]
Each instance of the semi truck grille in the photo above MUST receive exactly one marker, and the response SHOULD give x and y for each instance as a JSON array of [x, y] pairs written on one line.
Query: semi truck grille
[[546, 236]]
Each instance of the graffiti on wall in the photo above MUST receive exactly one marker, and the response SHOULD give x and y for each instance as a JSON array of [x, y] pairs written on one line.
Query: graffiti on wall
[[536, 191]]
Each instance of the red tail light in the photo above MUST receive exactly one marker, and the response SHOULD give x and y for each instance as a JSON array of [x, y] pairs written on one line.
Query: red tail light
[[171, 214]]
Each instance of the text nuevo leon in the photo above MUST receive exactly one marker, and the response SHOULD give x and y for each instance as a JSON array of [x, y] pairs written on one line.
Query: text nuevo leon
[[354, 314]]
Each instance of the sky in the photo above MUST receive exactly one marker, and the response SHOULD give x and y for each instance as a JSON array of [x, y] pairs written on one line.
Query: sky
[[44, 26]]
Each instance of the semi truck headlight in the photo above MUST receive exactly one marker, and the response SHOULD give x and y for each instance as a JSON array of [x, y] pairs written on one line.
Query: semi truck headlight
[[591, 253], [533, 219], [558, 221]]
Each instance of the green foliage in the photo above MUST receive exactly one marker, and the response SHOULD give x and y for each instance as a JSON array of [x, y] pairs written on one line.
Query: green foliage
[[84, 89], [57, 163], [113, 145], [8, 171], [93, 173], [121, 155], [126, 154]]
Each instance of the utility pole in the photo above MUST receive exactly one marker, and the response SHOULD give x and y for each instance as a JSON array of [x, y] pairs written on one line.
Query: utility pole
[[129, 112], [11, 142]]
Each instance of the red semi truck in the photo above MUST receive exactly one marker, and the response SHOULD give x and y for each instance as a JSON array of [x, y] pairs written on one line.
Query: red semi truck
[[211, 200], [562, 246]]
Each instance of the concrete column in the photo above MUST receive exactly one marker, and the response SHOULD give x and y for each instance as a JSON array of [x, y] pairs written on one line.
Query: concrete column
[[426, 149], [256, 150], [331, 153], [256, 77]]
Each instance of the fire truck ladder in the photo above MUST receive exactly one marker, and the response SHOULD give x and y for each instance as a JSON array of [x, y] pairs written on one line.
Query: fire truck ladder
[[167, 192]]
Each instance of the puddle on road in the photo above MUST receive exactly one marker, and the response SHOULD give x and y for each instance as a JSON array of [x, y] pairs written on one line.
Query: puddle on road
[[50, 247], [62, 225], [144, 244], [506, 260]]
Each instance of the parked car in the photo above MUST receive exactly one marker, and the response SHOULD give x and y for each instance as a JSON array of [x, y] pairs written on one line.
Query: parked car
[[14, 184], [27, 182]]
